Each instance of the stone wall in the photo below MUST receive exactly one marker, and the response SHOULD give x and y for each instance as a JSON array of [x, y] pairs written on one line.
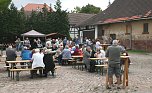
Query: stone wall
[[135, 40]]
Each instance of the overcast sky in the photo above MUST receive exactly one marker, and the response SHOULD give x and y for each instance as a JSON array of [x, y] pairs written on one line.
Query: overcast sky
[[66, 4]]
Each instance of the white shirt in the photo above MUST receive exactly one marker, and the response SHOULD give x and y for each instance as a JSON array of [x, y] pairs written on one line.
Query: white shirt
[[48, 44], [102, 53], [97, 44], [37, 60]]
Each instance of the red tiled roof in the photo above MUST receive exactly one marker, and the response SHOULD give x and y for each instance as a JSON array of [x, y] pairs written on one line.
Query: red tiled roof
[[121, 19], [148, 13], [35, 7]]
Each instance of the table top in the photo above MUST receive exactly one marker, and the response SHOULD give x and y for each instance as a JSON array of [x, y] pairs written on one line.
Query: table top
[[105, 44], [4, 56], [98, 58], [78, 56], [18, 61], [124, 56]]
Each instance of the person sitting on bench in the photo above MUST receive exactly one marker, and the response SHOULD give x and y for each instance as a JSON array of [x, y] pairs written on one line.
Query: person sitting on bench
[[10, 55], [48, 61], [37, 59], [26, 54]]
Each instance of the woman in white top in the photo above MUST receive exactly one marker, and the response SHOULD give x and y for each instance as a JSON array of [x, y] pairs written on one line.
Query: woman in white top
[[37, 59], [37, 62], [100, 53], [97, 44]]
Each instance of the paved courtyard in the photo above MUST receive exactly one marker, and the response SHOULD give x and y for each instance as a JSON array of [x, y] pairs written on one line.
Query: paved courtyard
[[69, 80]]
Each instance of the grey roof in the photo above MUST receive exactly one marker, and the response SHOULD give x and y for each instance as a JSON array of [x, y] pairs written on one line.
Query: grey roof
[[77, 18], [121, 10], [33, 33]]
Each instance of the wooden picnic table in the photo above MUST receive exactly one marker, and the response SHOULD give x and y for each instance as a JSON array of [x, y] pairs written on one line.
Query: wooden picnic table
[[102, 65], [81, 56], [19, 61], [13, 66], [105, 46], [98, 58], [125, 74], [76, 61]]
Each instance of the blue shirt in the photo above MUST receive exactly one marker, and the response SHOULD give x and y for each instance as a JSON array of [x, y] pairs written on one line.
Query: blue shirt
[[26, 55]]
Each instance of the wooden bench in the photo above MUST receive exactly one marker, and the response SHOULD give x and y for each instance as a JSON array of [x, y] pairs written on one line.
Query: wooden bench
[[71, 61], [80, 64], [101, 67], [28, 69], [2, 62], [66, 61], [19, 70]]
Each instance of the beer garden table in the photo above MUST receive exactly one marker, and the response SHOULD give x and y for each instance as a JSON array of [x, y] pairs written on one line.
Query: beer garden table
[[76, 59], [105, 46], [125, 74]]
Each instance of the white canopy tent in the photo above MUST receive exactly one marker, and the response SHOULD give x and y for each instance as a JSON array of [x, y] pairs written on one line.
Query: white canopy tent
[[32, 33]]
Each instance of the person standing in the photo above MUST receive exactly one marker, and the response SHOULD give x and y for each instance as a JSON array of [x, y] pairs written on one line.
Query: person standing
[[18, 44], [27, 42], [65, 41], [39, 43], [97, 44], [113, 53], [34, 44]]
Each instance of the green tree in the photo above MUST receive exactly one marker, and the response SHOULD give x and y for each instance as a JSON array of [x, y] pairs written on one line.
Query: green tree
[[12, 24], [58, 20], [90, 9], [3, 18], [4, 4], [76, 10], [31, 21]]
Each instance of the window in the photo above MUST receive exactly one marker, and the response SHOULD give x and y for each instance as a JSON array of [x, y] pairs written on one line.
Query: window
[[145, 28], [128, 29]]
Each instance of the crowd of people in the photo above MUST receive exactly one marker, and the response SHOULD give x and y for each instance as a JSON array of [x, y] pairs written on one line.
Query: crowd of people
[[44, 55]]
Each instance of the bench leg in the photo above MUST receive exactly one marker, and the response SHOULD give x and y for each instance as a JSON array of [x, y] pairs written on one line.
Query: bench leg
[[72, 65], [31, 72], [82, 67], [17, 75], [102, 70], [13, 74], [8, 73], [78, 66]]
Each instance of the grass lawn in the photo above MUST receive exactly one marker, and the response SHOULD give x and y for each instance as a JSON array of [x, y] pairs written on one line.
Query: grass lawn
[[137, 51]]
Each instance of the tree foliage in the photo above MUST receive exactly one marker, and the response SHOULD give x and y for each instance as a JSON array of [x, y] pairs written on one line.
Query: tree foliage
[[13, 22], [90, 9], [4, 4]]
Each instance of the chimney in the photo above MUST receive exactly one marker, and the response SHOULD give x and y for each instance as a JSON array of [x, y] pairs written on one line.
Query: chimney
[[109, 3]]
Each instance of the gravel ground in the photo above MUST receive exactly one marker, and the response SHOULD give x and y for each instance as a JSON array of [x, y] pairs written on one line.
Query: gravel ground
[[69, 80]]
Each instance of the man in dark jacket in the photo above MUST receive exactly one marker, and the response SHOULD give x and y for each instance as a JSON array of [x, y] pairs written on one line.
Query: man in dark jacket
[[10, 54], [113, 53]]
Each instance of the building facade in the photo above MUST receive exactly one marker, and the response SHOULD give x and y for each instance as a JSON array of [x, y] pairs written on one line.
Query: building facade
[[130, 21]]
